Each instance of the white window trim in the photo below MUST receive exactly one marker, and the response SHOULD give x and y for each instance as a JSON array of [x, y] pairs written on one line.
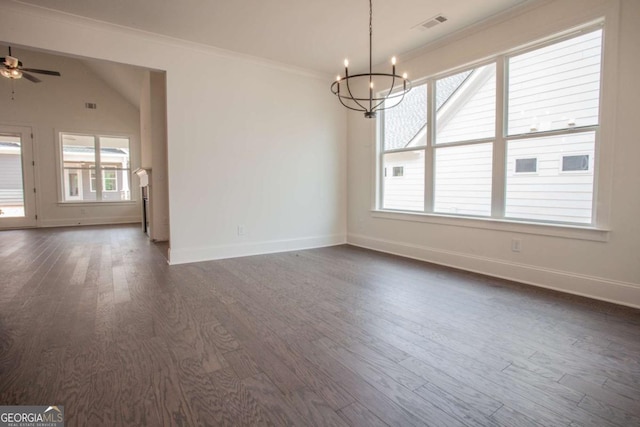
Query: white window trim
[[576, 172], [67, 183], [60, 167], [569, 231], [92, 188], [515, 162], [104, 179], [598, 230]]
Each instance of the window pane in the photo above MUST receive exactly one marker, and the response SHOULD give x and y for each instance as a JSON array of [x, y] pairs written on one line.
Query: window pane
[[551, 194], [555, 87], [404, 191], [526, 165], [76, 183], [78, 151], [575, 163], [406, 125], [466, 105], [463, 179], [11, 186], [114, 158], [92, 182]]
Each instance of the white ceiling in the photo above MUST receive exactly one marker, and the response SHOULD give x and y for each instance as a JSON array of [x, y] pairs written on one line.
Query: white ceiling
[[312, 34]]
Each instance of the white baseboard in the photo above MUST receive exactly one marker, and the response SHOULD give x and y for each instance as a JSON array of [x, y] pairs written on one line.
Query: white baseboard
[[614, 291], [187, 255], [67, 222]]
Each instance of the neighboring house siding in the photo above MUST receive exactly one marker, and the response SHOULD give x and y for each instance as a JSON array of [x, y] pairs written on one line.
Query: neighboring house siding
[[471, 112], [404, 192], [560, 78], [463, 180], [553, 88], [550, 193], [10, 180]]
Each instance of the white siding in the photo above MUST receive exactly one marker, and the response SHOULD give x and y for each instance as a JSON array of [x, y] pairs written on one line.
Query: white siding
[[555, 85], [550, 194], [10, 179], [404, 192], [471, 111], [463, 179]]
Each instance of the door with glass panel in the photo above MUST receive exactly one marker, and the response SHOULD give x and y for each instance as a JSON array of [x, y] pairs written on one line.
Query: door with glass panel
[[17, 187]]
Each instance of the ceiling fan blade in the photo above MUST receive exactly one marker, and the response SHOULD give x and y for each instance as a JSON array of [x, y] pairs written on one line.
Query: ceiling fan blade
[[31, 78], [34, 70]]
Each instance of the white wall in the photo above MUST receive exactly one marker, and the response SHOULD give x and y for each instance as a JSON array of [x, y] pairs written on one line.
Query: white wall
[[153, 133], [249, 143], [58, 104], [159, 190], [608, 269]]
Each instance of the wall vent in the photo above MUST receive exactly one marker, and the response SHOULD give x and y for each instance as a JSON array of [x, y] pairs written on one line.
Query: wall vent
[[90, 105], [432, 22]]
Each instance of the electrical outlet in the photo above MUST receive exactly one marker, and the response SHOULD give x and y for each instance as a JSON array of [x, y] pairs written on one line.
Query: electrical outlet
[[516, 245], [241, 230]]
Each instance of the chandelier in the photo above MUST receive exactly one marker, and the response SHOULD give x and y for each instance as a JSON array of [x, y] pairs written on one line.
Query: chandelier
[[371, 102]]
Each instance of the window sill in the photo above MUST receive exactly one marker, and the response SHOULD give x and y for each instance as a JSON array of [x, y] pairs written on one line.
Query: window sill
[[523, 227], [93, 203]]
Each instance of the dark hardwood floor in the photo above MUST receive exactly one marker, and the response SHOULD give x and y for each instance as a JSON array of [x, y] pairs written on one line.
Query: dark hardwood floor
[[94, 319]]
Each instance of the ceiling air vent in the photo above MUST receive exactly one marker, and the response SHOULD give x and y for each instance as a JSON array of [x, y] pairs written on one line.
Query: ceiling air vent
[[90, 105], [432, 22]]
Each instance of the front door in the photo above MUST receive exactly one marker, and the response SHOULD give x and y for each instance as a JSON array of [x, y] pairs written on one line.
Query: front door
[[17, 183]]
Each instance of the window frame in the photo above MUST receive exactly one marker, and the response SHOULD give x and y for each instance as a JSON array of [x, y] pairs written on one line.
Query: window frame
[[97, 166], [590, 165], [515, 166], [397, 171], [104, 179], [499, 167]]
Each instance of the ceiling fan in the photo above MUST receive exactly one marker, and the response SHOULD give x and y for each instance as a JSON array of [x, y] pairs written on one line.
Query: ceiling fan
[[12, 69]]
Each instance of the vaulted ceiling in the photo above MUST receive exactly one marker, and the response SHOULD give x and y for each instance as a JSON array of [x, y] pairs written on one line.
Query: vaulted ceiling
[[312, 34]]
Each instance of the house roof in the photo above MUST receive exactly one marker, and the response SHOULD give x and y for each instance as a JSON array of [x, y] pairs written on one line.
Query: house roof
[[404, 122]]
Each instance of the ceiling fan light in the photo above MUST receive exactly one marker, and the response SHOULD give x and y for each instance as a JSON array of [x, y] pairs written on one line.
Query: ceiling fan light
[[11, 62], [11, 73]]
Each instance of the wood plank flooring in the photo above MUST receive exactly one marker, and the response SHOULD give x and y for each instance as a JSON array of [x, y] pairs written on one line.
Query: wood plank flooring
[[94, 319]]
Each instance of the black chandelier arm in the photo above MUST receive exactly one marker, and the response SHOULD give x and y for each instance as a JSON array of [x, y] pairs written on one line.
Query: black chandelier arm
[[393, 83], [400, 94], [354, 76], [401, 99], [360, 110], [386, 108], [353, 98], [375, 102]]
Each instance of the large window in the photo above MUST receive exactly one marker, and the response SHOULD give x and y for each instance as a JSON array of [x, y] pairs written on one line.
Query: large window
[[95, 168], [511, 138]]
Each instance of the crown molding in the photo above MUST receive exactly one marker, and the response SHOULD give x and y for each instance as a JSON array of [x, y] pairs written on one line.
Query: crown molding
[[69, 19]]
